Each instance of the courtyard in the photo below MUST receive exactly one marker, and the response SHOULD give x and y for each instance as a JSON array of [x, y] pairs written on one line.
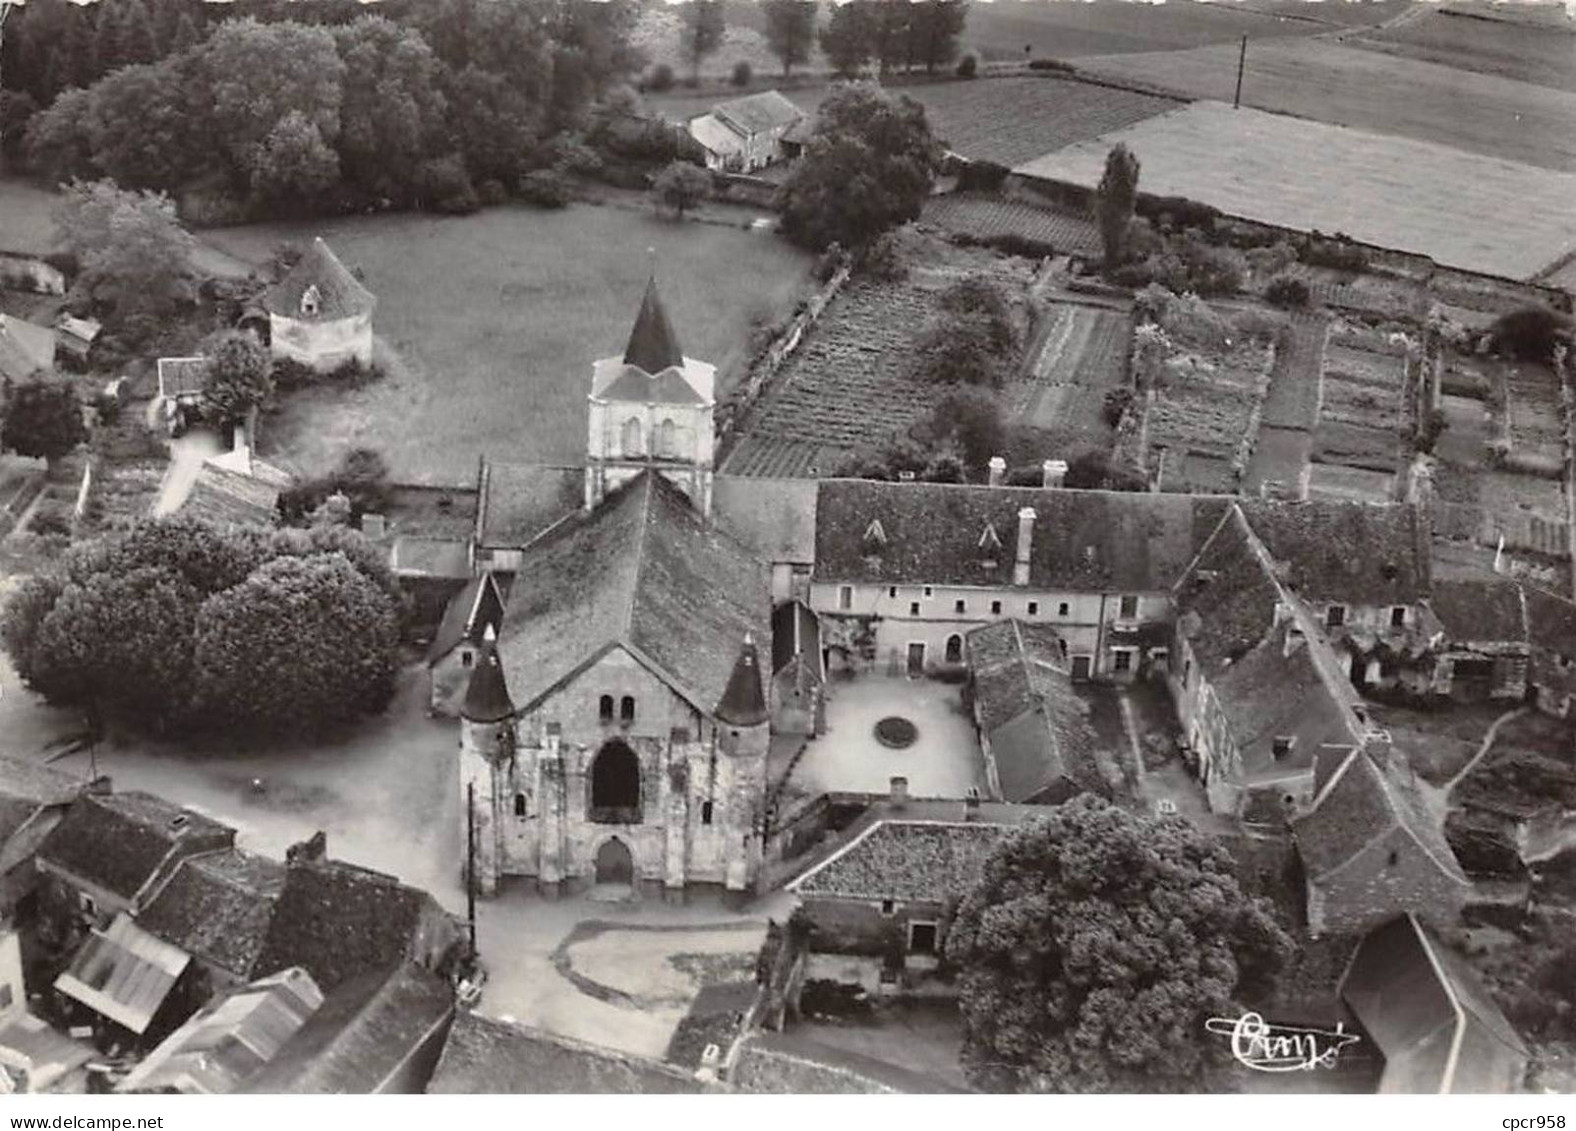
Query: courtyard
[[944, 760]]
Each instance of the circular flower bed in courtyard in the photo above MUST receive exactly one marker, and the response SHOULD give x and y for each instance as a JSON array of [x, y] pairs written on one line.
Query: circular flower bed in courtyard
[[896, 732]]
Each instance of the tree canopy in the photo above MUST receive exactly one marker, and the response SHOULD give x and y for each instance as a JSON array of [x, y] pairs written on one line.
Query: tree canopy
[[133, 252], [238, 377], [869, 165], [1114, 201], [681, 186], [43, 419], [790, 31], [704, 25], [1095, 946]]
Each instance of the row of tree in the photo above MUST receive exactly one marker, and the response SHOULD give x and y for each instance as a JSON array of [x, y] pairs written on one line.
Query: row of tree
[[177, 625], [893, 34]]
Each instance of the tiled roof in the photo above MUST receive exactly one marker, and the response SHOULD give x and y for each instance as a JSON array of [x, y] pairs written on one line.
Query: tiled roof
[[123, 973], [521, 500], [218, 907], [120, 841], [339, 922], [24, 779], [1434, 1023], [25, 349], [905, 859], [340, 294], [469, 614], [1363, 802], [1355, 553], [759, 113], [716, 135], [226, 497], [14, 813], [1480, 611], [653, 346], [1225, 603], [643, 571], [1037, 724], [666, 386], [773, 517], [484, 1055], [789, 1064], [364, 1031], [1551, 621], [1083, 540]]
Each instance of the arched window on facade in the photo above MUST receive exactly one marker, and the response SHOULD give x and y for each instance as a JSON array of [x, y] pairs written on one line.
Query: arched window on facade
[[667, 440], [954, 649], [631, 437], [615, 785], [605, 709], [626, 709]]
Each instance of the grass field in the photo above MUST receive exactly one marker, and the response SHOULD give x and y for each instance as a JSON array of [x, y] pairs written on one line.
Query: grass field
[[26, 218], [1543, 56], [1465, 210], [497, 317], [1372, 90]]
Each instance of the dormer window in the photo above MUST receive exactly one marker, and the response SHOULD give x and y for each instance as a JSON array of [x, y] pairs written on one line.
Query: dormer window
[[311, 301], [874, 535], [989, 541], [1335, 616]]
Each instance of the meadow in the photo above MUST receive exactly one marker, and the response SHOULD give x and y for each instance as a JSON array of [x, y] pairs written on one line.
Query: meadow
[[1544, 56], [1461, 209], [27, 222], [492, 321], [1370, 90]]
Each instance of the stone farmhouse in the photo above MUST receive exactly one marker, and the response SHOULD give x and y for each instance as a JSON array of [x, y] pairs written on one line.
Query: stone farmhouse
[[319, 314], [749, 133]]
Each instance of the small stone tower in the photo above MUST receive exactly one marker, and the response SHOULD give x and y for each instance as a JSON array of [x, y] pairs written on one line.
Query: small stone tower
[[743, 736], [487, 746], [651, 408]]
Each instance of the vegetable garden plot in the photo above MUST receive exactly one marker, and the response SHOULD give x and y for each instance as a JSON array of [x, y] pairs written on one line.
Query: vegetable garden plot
[[1363, 388], [1356, 445], [1353, 484], [986, 217], [1083, 357]]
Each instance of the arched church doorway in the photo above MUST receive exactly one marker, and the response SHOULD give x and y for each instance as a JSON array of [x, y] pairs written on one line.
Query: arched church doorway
[[614, 864], [615, 784]]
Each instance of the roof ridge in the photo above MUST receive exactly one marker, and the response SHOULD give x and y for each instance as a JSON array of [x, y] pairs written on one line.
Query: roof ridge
[[647, 487]]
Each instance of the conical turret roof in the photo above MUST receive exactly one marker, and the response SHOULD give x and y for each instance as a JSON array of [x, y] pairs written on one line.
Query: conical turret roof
[[487, 695], [339, 294], [744, 700], [653, 346]]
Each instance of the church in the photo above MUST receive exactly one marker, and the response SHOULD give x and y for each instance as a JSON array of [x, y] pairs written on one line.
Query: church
[[615, 726]]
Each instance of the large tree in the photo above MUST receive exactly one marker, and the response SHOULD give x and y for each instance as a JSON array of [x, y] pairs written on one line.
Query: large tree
[[392, 112], [934, 29], [1114, 201], [869, 165], [681, 186], [848, 39], [300, 644], [1095, 946], [237, 378], [702, 32], [132, 250], [43, 419], [790, 30]]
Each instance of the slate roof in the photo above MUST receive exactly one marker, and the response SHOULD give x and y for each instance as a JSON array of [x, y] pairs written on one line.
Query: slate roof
[[1429, 1015], [339, 922], [14, 813], [123, 973], [1354, 553], [893, 856], [487, 698], [1226, 601], [1083, 540], [364, 1031], [467, 616], [218, 907], [120, 841], [1363, 802], [520, 500], [653, 346], [27, 780], [773, 517], [1020, 674], [716, 135], [743, 702], [635, 384], [759, 113], [340, 294], [642, 571], [1551, 621], [484, 1055], [1480, 611], [25, 349]]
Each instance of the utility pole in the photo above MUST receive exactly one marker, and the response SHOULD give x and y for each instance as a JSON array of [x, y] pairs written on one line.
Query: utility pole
[[1242, 58], [470, 864]]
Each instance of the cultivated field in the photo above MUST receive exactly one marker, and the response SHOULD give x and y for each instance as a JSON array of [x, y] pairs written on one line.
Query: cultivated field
[[1082, 355], [984, 216], [1544, 55], [1204, 416], [1410, 195], [1357, 441], [497, 317], [1371, 90]]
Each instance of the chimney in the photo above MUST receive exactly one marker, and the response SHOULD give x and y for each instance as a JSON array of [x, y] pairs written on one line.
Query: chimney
[[101, 786], [1053, 473], [899, 795], [998, 471], [242, 448], [374, 526], [710, 1061], [971, 805], [308, 851], [1020, 566]]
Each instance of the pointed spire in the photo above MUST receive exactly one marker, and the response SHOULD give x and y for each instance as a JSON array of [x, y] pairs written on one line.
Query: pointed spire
[[744, 701], [487, 695], [652, 344]]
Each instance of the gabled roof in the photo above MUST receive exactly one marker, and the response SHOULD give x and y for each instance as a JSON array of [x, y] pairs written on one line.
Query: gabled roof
[[1480, 611], [759, 113], [642, 571], [1226, 600], [716, 135], [1353, 553], [1082, 540], [364, 1032], [473, 610], [123, 973], [230, 1039], [121, 841], [521, 500], [339, 293], [25, 349], [636, 385], [1037, 724], [1370, 796], [796, 632], [217, 907], [339, 922], [1551, 621], [225, 496], [775, 518], [485, 1055], [653, 346], [1432, 1019], [26, 780]]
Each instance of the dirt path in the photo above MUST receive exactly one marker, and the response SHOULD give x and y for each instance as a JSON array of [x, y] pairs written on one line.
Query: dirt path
[[1284, 441], [187, 454], [1483, 748]]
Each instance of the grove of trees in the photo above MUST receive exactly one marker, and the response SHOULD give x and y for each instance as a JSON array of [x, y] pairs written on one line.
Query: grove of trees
[[41, 419], [175, 624], [893, 34], [1094, 947]]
